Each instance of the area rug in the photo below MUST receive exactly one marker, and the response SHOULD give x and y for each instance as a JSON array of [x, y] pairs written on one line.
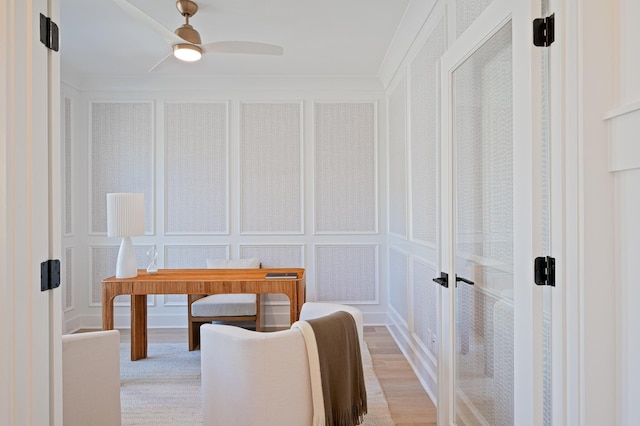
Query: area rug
[[164, 388]]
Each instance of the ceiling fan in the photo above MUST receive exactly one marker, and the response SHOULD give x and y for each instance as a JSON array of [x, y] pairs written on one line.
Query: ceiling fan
[[185, 40]]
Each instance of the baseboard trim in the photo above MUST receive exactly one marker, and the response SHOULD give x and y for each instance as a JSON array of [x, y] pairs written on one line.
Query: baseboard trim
[[423, 363], [275, 316]]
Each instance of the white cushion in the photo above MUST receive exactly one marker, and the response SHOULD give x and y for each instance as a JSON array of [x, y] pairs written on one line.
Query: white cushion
[[251, 262], [224, 305]]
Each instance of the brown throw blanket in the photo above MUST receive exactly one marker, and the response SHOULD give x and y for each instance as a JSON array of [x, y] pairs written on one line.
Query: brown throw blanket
[[343, 389]]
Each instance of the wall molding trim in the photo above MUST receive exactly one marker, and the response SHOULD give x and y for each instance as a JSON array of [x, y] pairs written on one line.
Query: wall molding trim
[[624, 146]]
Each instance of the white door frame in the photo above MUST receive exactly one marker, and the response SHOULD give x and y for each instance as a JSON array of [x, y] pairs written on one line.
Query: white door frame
[[30, 332]]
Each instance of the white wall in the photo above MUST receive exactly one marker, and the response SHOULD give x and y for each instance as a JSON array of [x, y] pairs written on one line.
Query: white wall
[[291, 176], [413, 123], [624, 162], [594, 80]]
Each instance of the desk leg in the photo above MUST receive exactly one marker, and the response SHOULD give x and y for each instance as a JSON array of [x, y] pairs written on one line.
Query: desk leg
[[302, 296], [293, 306], [138, 327], [107, 308]]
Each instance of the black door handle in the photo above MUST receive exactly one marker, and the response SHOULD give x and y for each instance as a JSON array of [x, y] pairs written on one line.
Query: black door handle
[[443, 279], [464, 280]]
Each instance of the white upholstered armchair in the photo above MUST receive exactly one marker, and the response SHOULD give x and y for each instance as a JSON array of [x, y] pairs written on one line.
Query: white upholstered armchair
[[91, 378], [251, 378]]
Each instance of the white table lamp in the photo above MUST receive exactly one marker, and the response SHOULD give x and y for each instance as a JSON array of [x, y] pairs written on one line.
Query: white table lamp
[[125, 218]]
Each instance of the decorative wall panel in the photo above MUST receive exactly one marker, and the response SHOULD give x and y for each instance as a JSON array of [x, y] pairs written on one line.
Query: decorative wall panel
[[196, 168], [425, 86], [121, 156], [398, 269], [345, 168], [67, 280], [275, 256], [425, 304], [398, 160], [103, 265], [347, 273], [67, 159], [271, 168]]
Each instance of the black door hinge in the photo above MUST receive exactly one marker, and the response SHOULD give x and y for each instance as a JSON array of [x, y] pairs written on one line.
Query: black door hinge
[[545, 271], [443, 279], [49, 33], [544, 31], [49, 274]]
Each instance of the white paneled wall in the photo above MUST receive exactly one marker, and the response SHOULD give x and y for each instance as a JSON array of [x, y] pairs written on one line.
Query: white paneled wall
[[290, 180], [347, 273], [271, 168], [345, 168], [424, 118], [67, 167], [68, 299], [121, 137], [398, 283], [196, 170], [414, 128], [398, 160]]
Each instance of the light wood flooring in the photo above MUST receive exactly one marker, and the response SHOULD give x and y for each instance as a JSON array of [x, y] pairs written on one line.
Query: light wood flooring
[[408, 403]]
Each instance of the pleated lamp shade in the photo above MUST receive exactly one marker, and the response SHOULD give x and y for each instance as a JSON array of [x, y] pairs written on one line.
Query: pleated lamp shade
[[125, 218], [125, 214]]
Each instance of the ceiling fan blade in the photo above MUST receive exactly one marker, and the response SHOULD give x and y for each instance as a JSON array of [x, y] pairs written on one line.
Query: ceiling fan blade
[[160, 62], [247, 47], [143, 17]]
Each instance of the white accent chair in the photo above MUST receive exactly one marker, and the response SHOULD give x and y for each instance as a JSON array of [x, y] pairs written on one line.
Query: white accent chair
[[91, 379], [240, 308], [252, 379]]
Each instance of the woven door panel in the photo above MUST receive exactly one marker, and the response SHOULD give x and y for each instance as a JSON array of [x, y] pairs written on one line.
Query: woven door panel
[[467, 11]]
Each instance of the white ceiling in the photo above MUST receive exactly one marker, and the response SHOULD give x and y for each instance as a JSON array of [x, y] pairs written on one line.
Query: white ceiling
[[342, 38]]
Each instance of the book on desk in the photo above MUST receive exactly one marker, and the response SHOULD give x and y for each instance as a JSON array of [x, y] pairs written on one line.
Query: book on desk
[[281, 275]]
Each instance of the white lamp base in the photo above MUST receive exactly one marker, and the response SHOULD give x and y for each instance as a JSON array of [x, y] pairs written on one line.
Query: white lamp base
[[127, 266]]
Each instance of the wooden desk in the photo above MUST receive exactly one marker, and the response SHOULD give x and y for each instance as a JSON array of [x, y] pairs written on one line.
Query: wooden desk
[[194, 281]]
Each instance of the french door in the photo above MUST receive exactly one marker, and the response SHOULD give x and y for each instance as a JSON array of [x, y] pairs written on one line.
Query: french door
[[492, 365], [31, 326]]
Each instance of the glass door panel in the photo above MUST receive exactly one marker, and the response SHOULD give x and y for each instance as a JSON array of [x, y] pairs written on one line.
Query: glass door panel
[[482, 125]]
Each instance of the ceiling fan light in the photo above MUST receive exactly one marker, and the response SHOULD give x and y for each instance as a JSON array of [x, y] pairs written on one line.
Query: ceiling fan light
[[187, 52]]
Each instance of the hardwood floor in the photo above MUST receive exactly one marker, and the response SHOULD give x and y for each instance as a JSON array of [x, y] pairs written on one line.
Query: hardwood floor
[[408, 402]]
